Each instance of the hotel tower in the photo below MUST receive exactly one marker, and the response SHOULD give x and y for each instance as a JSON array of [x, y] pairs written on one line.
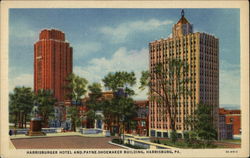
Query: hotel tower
[[52, 63], [201, 52]]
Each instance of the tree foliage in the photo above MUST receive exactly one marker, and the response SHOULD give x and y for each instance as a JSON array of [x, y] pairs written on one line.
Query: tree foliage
[[95, 90], [121, 107], [94, 102], [120, 79], [73, 115], [20, 105], [166, 84], [46, 101], [77, 86], [202, 123], [174, 136]]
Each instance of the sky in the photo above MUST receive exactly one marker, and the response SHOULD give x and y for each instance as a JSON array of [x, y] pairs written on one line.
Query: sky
[[108, 40]]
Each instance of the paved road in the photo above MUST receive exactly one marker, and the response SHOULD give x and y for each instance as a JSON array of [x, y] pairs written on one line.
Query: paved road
[[66, 142]]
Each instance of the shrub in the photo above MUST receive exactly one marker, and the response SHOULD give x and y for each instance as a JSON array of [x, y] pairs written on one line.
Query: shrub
[[173, 136], [158, 141], [186, 137], [117, 141]]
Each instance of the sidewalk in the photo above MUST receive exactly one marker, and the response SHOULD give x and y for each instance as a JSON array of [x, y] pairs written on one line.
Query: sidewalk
[[22, 136], [11, 146]]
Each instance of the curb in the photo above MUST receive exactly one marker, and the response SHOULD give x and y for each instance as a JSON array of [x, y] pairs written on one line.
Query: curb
[[31, 137], [61, 135], [120, 145]]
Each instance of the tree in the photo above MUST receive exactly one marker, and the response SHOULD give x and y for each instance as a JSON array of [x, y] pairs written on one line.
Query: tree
[[174, 136], [21, 104], [120, 80], [108, 112], [202, 123], [73, 115], [121, 107], [94, 102], [126, 108], [166, 84], [46, 101], [132, 124], [77, 86], [14, 108]]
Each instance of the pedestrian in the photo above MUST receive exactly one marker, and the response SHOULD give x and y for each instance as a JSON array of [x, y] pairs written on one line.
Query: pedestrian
[[10, 132]]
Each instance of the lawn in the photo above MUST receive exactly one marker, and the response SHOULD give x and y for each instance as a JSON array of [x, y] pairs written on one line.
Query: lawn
[[238, 141], [180, 143], [12, 127]]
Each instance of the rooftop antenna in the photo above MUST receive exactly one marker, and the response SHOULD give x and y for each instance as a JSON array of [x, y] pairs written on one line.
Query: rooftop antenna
[[182, 12]]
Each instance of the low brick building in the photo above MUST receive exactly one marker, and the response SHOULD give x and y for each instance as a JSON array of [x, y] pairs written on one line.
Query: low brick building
[[232, 121], [139, 123], [222, 127], [141, 120]]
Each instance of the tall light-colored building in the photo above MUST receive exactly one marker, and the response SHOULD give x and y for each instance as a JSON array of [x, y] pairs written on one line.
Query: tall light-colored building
[[201, 52]]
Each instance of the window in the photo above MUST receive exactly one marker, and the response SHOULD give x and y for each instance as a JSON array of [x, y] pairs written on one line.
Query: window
[[231, 119]]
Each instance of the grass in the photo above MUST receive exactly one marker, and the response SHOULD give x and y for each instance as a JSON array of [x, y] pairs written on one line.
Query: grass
[[12, 127], [181, 144], [195, 145], [231, 141]]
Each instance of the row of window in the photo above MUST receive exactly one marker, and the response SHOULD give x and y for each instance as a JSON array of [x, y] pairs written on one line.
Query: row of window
[[166, 46], [206, 49], [165, 126], [213, 52]]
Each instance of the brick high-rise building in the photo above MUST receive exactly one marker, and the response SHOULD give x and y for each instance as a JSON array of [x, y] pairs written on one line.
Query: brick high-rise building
[[201, 52], [52, 63]]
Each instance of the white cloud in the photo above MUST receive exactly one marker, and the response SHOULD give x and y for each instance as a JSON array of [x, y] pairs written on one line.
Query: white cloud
[[86, 48], [121, 32], [21, 80], [122, 60], [23, 33], [229, 83]]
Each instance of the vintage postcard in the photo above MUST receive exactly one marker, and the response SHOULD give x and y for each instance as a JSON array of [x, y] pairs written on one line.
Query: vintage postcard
[[124, 79]]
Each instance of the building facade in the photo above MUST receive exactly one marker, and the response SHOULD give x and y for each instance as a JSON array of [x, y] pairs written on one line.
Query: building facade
[[222, 127], [232, 117], [142, 118], [52, 63], [201, 52], [225, 129], [138, 127]]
